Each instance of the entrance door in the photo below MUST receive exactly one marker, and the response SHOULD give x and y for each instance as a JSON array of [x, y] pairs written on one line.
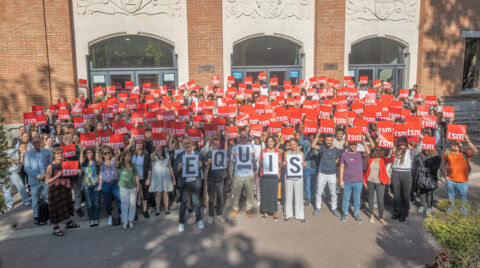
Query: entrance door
[[148, 77], [99, 79], [118, 80], [278, 73]]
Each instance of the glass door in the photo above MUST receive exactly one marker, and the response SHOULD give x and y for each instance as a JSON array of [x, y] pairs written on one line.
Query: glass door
[[368, 72], [118, 80], [148, 77], [387, 74], [254, 75], [399, 79]]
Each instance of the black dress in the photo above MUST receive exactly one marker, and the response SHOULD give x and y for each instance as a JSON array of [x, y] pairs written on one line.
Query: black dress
[[60, 205]]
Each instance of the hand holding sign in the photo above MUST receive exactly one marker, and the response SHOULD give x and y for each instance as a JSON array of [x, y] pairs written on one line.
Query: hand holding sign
[[189, 165], [270, 163], [294, 165]]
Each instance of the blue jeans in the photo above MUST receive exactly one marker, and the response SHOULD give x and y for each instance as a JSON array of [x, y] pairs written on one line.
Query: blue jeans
[[16, 180], [40, 189], [108, 190], [308, 175], [348, 188], [7, 195], [92, 197], [453, 187]]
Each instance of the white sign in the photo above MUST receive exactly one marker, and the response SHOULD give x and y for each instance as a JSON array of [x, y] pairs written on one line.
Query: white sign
[[270, 163], [219, 159], [168, 77], [244, 157], [294, 165], [190, 165]]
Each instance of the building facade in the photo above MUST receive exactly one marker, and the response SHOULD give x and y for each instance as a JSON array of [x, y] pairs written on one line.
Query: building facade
[[48, 45]]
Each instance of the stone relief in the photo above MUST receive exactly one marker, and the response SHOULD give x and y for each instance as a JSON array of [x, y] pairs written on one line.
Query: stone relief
[[269, 9], [129, 7], [382, 10]]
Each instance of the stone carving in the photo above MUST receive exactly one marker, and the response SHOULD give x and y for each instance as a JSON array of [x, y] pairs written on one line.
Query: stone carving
[[382, 10], [129, 7], [269, 9]]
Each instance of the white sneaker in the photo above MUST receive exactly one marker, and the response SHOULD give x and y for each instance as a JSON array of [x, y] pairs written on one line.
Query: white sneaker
[[109, 220], [125, 227], [210, 220], [130, 225], [221, 218], [200, 225], [181, 227]]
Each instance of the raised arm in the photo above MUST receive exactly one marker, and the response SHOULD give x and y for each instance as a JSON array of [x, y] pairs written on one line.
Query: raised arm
[[315, 141], [471, 145]]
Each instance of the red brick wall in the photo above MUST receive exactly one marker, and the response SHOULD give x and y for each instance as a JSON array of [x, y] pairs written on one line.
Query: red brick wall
[[329, 37], [441, 45], [24, 76], [205, 41]]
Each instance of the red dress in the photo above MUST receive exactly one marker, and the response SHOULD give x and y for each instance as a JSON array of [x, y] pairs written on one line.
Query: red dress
[[60, 205]]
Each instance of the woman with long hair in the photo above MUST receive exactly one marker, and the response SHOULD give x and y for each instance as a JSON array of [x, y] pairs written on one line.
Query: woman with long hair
[[90, 171], [60, 205], [269, 183], [375, 180], [108, 163], [294, 187], [129, 184], [162, 180], [141, 158], [427, 163], [403, 157]]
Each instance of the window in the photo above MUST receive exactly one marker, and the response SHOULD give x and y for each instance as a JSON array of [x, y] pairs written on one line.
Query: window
[[377, 51], [471, 64], [132, 52], [265, 51]]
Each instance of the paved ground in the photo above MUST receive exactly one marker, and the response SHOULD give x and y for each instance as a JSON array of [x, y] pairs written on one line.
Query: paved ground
[[322, 241]]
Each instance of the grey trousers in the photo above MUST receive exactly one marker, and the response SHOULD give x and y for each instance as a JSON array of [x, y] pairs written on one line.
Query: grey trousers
[[294, 191]]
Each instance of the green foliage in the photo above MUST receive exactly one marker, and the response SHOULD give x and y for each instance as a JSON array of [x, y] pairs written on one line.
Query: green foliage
[[457, 233], [4, 164]]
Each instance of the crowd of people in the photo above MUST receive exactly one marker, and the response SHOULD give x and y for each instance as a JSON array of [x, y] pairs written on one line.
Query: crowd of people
[[261, 145]]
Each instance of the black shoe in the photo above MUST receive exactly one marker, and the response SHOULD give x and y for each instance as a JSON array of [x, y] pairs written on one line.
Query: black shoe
[[395, 217], [190, 210], [80, 213], [136, 217], [146, 215], [402, 219], [306, 202], [36, 221]]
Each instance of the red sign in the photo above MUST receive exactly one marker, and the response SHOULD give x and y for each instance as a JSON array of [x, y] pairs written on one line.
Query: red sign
[[63, 115], [273, 81], [456, 132], [414, 129], [69, 168], [103, 135], [29, 118], [310, 127], [88, 139], [363, 80], [69, 150], [262, 76], [422, 110], [354, 134], [117, 141], [41, 120], [159, 139], [327, 126], [385, 140], [399, 130], [403, 93], [429, 121], [288, 133], [431, 100], [232, 132], [428, 143], [138, 133], [385, 127], [448, 112], [256, 130]]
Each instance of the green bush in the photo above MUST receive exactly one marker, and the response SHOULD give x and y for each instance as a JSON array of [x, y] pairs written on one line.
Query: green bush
[[4, 164], [457, 233]]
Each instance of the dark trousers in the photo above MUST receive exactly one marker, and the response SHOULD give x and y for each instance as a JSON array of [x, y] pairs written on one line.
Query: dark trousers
[[378, 188], [402, 184], [193, 189], [426, 198], [215, 189]]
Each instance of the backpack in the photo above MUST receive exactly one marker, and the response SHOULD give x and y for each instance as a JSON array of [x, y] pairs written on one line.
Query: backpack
[[425, 178], [43, 214], [116, 218], [465, 158]]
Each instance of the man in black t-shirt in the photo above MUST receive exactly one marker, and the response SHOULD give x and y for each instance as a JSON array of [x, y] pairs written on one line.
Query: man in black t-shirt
[[215, 180]]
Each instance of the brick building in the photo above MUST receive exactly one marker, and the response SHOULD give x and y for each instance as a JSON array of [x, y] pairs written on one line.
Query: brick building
[[48, 45]]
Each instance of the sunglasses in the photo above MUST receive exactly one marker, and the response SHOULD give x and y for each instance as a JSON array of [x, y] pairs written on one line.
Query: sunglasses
[[106, 153]]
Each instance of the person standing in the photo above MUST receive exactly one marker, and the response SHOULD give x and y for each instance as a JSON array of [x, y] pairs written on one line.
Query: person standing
[[309, 172], [215, 183], [402, 177], [108, 178], [16, 159], [327, 172], [162, 180], [90, 171], [76, 182], [243, 174], [375, 180], [351, 178], [190, 185], [456, 168], [294, 186], [426, 164], [141, 158], [269, 183], [129, 184], [36, 162], [60, 206]]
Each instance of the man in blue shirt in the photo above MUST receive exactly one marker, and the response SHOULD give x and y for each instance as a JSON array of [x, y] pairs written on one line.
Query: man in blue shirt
[[35, 163], [309, 172]]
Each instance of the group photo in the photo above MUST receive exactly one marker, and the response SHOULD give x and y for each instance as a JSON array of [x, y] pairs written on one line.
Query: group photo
[[244, 134]]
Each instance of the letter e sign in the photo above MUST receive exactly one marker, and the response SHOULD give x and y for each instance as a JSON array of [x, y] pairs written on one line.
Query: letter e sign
[[190, 166]]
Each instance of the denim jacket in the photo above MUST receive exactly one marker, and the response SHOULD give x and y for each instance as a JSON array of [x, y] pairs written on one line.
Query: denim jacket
[[36, 163]]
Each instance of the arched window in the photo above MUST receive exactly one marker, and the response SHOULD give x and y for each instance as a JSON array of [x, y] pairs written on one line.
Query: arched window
[[377, 50], [266, 51], [131, 51]]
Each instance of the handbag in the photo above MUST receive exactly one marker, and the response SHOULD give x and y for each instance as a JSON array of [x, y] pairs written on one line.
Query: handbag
[[43, 213], [116, 218], [425, 178]]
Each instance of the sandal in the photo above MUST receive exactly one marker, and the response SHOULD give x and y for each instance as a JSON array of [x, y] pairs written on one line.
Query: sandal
[[57, 232], [275, 217], [71, 225]]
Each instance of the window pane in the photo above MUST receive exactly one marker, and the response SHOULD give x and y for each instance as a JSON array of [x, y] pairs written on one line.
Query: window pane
[[376, 51], [265, 51], [131, 52], [470, 65]]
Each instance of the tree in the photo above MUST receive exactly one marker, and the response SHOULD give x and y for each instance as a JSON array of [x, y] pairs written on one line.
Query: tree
[[4, 163]]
